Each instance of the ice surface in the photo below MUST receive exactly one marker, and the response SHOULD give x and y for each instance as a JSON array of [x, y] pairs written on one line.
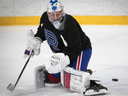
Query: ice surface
[[109, 59]]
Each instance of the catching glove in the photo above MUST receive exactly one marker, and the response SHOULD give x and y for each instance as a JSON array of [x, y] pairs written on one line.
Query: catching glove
[[56, 62]]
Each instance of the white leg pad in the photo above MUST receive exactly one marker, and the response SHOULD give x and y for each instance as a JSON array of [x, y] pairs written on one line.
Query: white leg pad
[[39, 77], [75, 80]]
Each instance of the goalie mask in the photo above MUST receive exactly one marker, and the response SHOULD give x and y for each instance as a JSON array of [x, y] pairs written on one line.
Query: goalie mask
[[55, 12]]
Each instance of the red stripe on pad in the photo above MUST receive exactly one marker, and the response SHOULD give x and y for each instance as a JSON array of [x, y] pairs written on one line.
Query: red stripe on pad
[[66, 80]]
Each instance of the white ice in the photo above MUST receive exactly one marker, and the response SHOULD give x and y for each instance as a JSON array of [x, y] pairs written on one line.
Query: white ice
[[109, 60]]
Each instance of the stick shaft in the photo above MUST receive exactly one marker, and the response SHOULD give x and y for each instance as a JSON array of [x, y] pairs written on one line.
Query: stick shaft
[[23, 69]]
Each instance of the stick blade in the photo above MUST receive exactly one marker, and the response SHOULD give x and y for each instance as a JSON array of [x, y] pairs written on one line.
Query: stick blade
[[10, 87]]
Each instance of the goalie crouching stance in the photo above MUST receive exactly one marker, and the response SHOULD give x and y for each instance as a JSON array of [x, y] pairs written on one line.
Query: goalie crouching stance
[[70, 78], [71, 49]]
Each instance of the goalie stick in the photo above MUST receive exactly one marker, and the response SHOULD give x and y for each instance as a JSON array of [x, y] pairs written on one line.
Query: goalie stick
[[11, 87]]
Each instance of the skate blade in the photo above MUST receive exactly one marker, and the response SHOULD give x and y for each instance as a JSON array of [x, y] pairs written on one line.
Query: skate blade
[[10, 87], [95, 93]]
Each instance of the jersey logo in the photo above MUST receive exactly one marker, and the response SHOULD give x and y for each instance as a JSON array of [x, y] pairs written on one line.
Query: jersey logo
[[51, 39], [65, 43]]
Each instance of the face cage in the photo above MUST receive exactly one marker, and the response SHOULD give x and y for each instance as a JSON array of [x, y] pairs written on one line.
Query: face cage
[[55, 16]]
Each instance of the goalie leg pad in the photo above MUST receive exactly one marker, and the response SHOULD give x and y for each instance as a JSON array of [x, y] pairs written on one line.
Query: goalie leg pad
[[75, 80], [39, 76]]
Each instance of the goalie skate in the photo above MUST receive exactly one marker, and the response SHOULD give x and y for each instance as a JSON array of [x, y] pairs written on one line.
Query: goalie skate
[[93, 92], [95, 89]]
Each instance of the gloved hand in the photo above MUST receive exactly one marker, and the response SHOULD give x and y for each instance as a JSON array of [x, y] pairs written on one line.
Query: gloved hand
[[33, 43], [56, 62]]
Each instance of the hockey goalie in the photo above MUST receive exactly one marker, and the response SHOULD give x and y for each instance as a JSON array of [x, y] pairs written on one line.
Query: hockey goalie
[[71, 49]]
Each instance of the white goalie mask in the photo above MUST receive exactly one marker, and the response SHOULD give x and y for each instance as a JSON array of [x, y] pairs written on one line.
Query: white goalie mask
[[55, 12]]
